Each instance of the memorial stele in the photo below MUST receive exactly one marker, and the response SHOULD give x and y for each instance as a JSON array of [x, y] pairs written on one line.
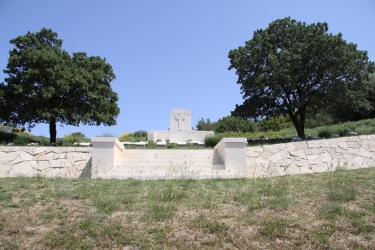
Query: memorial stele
[[179, 129]]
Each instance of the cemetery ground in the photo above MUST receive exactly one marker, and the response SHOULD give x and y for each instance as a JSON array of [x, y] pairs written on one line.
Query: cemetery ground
[[333, 210]]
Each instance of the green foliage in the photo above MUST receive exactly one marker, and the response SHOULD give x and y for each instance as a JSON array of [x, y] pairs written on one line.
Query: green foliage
[[21, 139], [330, 211], [161, 211], [211, 141], [205, 125], [70, 139], [234, 124], [275, 227], [47, 85], [140, 133], [227, 124], [274, 124], [325, 133], [295, 69], [341, 188], [209, 226]]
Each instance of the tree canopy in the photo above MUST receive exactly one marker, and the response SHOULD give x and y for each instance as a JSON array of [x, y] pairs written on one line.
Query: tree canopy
[[295, 69], [47, 85]]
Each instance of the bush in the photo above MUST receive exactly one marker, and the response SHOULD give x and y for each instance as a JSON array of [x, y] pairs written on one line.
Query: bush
[[124, 136], [211, 141], [140, 133], [325, 133], [234, 124], [274, 124]]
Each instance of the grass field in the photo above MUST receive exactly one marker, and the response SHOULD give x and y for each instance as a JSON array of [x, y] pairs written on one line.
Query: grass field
[[316, 211]]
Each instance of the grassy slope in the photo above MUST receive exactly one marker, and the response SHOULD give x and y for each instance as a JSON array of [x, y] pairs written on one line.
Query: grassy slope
[[317, 211]]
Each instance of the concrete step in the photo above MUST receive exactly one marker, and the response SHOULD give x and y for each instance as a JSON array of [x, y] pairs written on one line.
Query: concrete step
[[168, 157], [168, 164]]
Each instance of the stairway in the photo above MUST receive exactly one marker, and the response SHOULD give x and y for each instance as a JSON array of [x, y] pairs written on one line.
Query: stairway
[[168, 164]]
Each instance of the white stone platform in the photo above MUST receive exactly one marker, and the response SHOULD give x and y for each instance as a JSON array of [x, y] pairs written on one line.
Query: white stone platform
[[227, 160]]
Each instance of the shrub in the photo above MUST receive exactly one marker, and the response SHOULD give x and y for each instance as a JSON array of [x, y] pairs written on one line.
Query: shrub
[[211, 141], [234, 124], [124, 136], [325, 133]]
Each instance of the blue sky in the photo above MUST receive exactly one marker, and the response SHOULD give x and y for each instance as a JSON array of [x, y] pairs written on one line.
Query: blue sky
[[171, 54]]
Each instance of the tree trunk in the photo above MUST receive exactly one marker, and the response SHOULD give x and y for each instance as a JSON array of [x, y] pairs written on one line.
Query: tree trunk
[[52, 130], [299, 124]]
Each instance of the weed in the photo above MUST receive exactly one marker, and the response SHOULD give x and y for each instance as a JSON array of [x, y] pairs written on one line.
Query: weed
[[209, 226], [322, 233], [330, 211], [161, 211], [275, 227]]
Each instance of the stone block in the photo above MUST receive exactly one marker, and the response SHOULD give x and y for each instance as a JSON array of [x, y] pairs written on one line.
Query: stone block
[[23, 156], [40, 156], [61, 163], [275, 158], [359, 160], [300, 154], [285, 153], [39, 150], [293, 169], [265, 154], [348, 156], [370, 162], [41, 165], [314, 159], [281, 171], [10, 157], [306, 170], [319, 167], [329, 150], [316, 151], [314, 144], [353, 144], [291, 147], [253, 152], [365, 153], [50, 156], [326, 157], [300, 145], [25, 169], [368, 145], [343, 145], [5, 170], [302, 163], [341, 150]]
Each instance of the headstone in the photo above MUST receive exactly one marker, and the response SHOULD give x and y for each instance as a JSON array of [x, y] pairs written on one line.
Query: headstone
[[180, 124], [180, 120]]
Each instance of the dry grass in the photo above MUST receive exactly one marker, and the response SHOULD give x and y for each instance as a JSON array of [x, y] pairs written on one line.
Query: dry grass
[[317, 211]]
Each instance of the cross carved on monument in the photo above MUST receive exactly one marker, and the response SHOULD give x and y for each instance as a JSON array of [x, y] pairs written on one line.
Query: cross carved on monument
[[180, 118]]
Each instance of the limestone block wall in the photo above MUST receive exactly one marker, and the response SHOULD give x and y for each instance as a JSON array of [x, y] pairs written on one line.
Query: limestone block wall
[[311, 156], [70, 162]]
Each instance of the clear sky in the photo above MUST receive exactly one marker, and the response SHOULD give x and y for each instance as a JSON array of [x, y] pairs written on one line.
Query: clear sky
[[170, 54]]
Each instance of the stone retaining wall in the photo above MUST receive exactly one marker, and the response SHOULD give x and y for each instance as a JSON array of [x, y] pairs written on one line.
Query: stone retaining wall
[[311, 156], [262, 161], [71, 162]]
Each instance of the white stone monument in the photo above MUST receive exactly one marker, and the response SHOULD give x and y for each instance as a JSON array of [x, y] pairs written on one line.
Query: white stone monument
[[180, 129]]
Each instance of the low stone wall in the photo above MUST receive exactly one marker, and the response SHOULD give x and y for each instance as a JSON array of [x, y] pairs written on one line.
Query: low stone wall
[[70, 162], [262, 161], [311, 156]]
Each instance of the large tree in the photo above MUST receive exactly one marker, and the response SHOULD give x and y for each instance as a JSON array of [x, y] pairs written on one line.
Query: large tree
[[47, 85], [291, 68]]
